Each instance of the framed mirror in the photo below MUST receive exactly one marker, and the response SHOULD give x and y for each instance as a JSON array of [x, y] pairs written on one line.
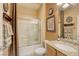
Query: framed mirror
[[68, 20]]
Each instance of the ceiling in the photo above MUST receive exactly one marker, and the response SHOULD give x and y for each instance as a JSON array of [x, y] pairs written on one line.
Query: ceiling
[[32, 6]]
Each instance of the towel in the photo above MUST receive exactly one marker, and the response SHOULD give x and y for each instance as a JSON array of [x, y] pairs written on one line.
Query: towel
[[7, 34], [9, 28], [8, 42]]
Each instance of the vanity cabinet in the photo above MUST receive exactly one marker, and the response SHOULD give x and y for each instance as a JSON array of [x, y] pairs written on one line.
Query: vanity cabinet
[[60, 54], [53, 52]]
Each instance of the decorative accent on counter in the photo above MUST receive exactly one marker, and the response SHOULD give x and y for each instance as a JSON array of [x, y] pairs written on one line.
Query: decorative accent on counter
[[50, 24]]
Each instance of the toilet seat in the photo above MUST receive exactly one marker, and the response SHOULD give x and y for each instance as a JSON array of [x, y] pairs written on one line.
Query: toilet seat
[[40, 51]]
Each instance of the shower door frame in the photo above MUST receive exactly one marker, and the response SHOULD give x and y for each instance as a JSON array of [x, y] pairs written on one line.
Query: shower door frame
[[17, 33]]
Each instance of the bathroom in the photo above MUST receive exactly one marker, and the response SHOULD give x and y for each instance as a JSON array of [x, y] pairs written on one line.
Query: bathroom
[[41, 29]]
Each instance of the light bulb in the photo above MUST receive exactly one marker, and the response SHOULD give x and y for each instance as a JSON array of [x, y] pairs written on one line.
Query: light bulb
[[65, 5]]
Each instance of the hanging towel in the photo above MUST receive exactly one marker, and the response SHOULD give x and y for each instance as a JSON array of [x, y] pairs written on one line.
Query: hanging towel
[[7, 34], [9, 28], [8, 42]]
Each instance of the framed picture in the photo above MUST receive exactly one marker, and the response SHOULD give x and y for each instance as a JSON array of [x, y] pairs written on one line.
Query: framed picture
[[69, 19], [50, 24]]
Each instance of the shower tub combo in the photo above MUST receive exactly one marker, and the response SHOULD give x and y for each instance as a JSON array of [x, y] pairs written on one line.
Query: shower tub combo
[[29, 36]]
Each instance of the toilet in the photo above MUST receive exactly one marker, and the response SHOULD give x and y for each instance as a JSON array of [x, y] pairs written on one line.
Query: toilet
[[40, 51]]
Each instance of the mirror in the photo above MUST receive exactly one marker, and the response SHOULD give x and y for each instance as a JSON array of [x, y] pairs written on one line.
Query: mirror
[[69, 16]]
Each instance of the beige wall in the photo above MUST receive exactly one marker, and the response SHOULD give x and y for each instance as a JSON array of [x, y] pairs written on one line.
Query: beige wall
[[52, 35], [25, 12], [42, 14]]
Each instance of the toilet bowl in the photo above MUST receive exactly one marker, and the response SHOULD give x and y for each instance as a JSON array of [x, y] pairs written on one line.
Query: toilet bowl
[[40, 51]]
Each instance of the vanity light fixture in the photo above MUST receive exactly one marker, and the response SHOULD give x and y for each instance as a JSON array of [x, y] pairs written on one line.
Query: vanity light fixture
[[65, 5]]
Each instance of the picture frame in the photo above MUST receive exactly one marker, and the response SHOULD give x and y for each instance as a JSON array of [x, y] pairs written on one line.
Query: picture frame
[[50, 24], [50, 11]]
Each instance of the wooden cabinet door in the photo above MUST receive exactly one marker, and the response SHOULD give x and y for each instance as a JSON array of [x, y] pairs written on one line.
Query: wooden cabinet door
[[51, 51], [60, 54]]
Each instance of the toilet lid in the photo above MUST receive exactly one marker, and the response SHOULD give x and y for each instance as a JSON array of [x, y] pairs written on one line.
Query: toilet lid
[[40, 50]]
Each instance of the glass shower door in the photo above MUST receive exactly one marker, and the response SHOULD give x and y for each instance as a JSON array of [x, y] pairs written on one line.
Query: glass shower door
[[29, 32]]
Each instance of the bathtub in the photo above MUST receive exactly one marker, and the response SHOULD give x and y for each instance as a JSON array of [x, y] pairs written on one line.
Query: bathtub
[[28, 50]]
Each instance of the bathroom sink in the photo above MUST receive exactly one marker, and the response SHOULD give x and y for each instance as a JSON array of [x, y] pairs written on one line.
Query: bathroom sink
[[65, 47]]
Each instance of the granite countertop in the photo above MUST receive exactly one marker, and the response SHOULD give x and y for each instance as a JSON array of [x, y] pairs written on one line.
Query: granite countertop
[[69, 52]]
